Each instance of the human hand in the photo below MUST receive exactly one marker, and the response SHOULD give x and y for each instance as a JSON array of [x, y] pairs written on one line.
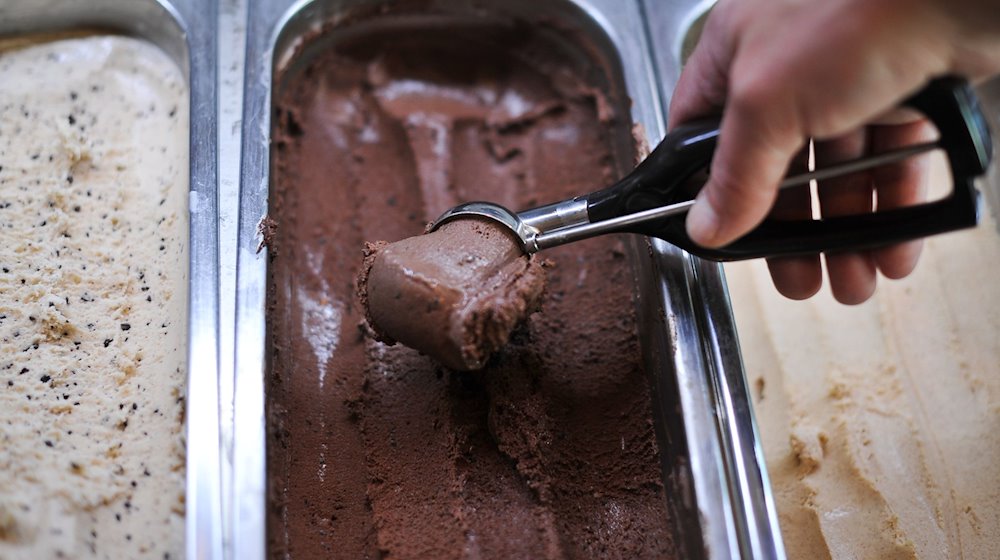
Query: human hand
[[787, 71]]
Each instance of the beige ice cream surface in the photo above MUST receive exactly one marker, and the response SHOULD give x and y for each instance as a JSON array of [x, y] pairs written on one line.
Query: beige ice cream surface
[[881, 422], [93, 250]]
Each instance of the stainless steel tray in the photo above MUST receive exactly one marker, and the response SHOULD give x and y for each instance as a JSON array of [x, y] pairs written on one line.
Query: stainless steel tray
[[185, 30], [712, 464], [712, 384]]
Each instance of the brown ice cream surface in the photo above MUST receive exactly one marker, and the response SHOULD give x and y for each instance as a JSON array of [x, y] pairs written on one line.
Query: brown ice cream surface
[[379, 451], [454, 294]]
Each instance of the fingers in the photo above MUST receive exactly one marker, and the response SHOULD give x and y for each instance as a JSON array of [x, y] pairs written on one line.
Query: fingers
[[784, 72], [702, 89], [795, 277], [852, 274], [898, 185]]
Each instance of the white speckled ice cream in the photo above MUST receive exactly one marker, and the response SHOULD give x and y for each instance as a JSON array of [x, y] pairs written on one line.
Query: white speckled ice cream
[[93, 293], [881, 422]]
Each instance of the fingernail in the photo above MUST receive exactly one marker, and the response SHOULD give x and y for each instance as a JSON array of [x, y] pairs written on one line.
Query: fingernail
[[702, 222]]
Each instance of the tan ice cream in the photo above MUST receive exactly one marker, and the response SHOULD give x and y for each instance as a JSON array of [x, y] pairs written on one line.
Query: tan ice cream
[[93, 268], [881, 422]]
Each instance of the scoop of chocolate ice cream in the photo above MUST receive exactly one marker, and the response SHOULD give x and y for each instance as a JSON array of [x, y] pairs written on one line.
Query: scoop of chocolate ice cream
[[454, 294]]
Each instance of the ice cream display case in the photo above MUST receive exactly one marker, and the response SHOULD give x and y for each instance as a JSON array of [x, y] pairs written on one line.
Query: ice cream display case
[[115, 117], [186, 368], [617, 423]]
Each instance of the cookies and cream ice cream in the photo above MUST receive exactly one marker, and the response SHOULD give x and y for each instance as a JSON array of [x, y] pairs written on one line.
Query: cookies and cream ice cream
[[93, 292]]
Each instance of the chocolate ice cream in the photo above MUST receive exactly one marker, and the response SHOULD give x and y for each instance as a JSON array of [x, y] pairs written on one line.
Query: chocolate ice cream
[[379, 451], [455, 294]]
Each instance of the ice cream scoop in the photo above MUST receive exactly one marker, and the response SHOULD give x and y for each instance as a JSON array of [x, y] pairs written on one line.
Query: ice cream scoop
[[418, 291], [663, 186]]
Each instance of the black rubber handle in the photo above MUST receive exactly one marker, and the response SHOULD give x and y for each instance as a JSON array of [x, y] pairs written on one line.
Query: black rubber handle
[[668, 176]]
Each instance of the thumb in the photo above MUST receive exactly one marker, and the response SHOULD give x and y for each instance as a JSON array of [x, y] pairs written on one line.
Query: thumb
[[759, 136]]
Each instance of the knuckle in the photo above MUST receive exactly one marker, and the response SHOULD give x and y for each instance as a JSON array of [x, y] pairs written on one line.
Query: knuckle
[[753, 96]]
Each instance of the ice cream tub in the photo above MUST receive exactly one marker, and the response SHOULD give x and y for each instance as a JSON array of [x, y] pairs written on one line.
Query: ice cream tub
[[363, 120], [142, 166]]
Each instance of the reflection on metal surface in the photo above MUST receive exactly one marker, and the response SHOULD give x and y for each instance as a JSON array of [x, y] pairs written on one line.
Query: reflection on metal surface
[[231, 46]]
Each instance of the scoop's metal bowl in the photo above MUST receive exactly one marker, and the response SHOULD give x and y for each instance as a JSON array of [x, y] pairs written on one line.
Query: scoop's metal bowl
[[525, 233]]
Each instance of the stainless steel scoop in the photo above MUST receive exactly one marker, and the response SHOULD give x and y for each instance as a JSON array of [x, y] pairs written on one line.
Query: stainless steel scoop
[[661, 188]]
